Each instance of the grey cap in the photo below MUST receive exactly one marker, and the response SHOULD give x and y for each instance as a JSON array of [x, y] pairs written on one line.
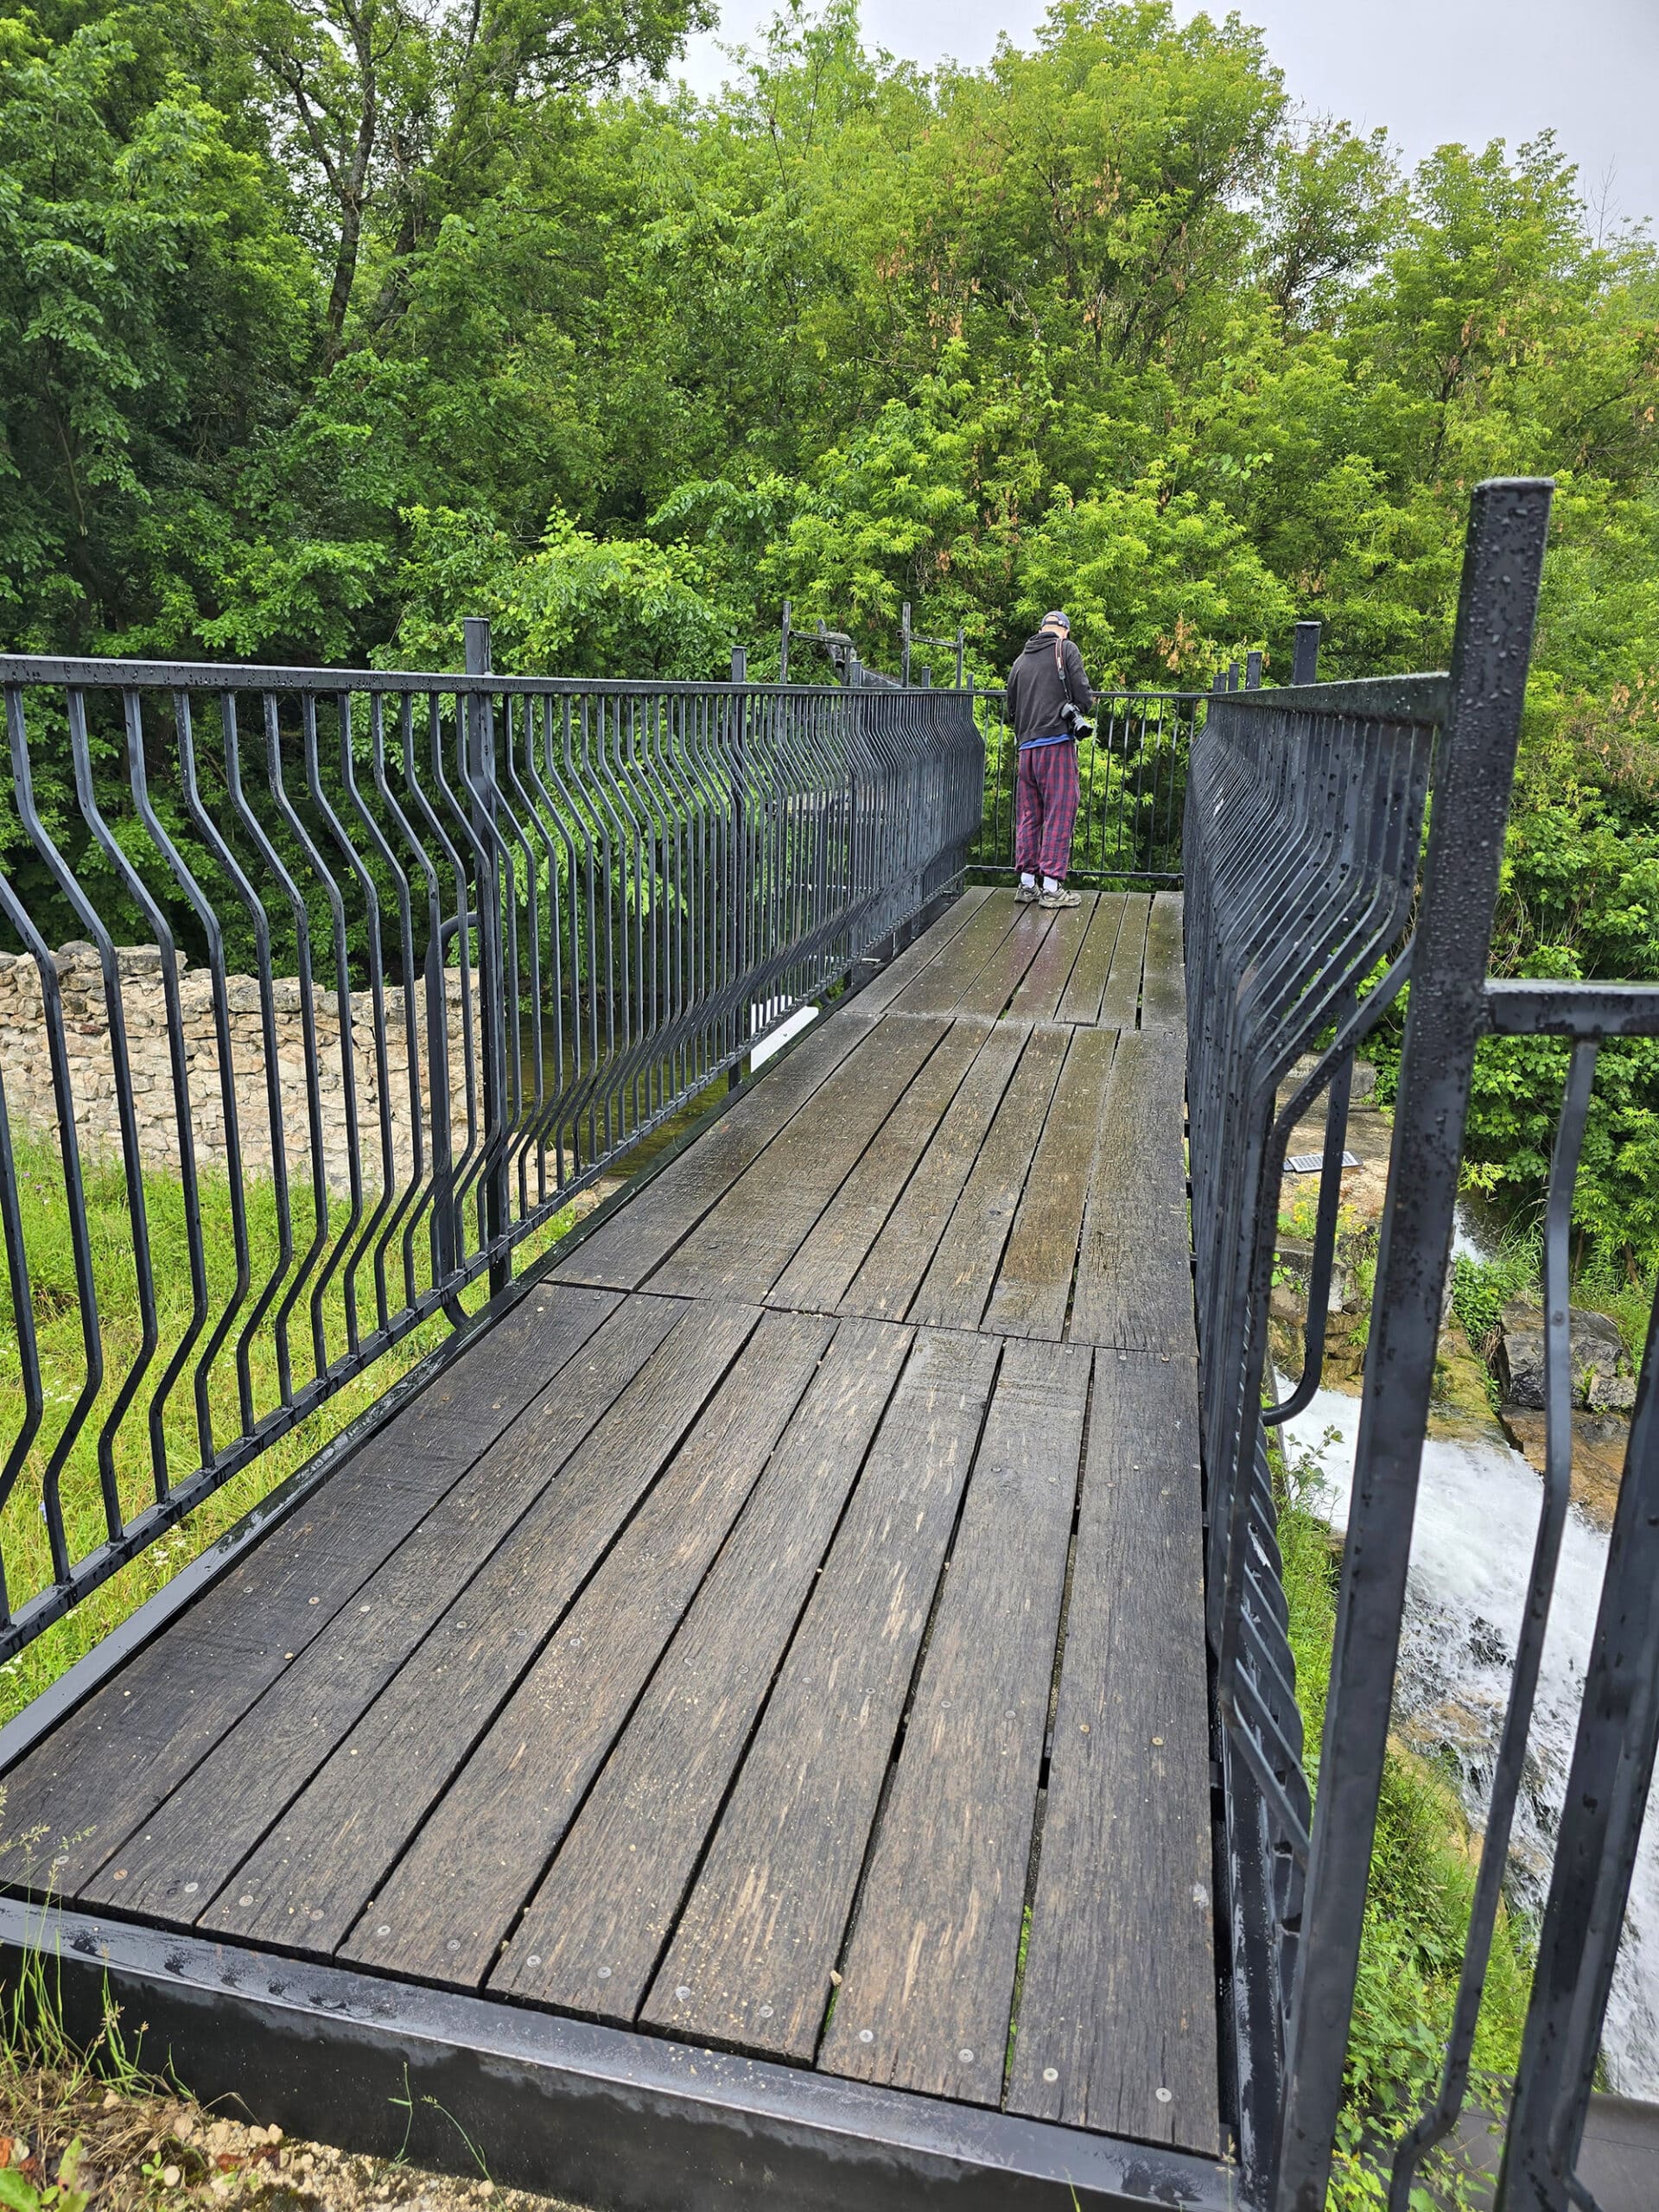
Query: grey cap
[[1055, 615]]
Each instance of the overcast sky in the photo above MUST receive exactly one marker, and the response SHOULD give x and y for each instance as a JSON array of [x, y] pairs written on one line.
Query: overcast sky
[[1430, 70]]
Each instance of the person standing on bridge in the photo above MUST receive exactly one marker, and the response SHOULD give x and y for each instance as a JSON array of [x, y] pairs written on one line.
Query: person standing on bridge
[[1048, 695]]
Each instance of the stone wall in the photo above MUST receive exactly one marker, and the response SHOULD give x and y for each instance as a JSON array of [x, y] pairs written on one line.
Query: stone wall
[[26, 1068]]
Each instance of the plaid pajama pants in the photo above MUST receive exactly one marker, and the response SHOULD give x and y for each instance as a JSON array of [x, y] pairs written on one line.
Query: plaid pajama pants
[[1045, 808]]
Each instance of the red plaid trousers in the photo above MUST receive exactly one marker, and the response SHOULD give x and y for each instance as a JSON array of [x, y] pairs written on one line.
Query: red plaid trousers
[[1045, 808]]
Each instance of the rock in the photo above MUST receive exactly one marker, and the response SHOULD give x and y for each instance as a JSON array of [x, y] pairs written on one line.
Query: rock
[[1599, 1442], [1460, 1407], [1609, 1394], [1364, 1082], [1598, 1352]]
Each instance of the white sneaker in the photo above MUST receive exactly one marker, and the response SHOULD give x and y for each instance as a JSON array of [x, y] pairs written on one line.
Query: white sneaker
[[1061, 897]]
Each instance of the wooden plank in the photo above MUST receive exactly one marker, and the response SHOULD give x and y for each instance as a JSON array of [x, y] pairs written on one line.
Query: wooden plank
[[1135, 1279], [879, 993], [928, 1978], [740, 1248], [751, 1960], [939, 988], [1122, 997], [1044, 983], [887, 1282], [1000, 978], [820, 1273], [1163, 988], [97, 1777], [1080, 1001], [640, 1235], [1034, 1284], [595, 1929], [1119, 1997], [954, 1291], [308, 1880], [192, 1842], [503, 1816]]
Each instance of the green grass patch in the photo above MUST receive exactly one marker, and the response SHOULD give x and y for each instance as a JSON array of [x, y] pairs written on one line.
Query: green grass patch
[[183, 1437]]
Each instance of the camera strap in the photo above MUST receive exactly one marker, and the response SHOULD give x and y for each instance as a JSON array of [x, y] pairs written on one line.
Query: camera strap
[[1063, 672]]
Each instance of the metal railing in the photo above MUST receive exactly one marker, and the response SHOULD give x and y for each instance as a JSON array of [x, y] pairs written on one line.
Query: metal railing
[[1131, 786], [382, 970], [1305, 869]]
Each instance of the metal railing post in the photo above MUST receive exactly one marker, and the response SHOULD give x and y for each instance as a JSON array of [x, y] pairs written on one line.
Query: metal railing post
[[1253, 672], [904, 646], [742, 890], [1497, 602], [1596, 1845], [1305, 657], [491, 980], [783, 646]]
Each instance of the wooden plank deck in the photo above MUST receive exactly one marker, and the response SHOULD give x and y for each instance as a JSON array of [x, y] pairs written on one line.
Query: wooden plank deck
[[784, 1630]]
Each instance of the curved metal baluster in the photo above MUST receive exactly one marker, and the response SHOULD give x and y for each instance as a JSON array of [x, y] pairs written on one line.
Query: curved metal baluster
[[408, 1189], [355, 1245], [554, 807], [416, 979], [207, 918], [121, 1069], [530, 1112], [23, 1314], [57, 1044], [340, 1239], [202, 820], [1336, 1065], [467, 1170], [1507, 1774], [267, 849]]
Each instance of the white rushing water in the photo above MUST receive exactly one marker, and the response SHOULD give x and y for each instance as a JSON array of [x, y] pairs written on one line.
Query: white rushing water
[[1472, 1549]]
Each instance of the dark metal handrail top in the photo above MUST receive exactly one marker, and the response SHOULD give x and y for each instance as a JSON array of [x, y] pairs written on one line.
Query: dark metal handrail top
[[1110, 691], [93, 672], [1368, 698]]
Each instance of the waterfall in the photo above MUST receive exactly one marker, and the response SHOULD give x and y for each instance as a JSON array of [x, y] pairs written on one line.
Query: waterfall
[[1478, 1509]]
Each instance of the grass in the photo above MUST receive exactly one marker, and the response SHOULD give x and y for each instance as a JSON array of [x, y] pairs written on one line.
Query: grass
[[1422, 1879], [25, 1545], [54, 2093], [1481, 1289], [93, 2127]]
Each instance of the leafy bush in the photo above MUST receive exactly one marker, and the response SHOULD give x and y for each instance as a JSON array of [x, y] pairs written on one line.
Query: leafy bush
[[1481, 1288]]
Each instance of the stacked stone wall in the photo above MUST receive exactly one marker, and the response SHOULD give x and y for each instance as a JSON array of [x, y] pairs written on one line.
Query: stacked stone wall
[[26, 1066]]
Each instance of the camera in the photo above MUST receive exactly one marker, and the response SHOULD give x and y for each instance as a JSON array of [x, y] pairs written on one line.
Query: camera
[[1074, 721]]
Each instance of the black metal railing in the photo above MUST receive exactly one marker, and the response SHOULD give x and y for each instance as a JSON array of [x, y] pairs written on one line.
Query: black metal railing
[[381, 969], [1131, 786], [1304, 870]]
